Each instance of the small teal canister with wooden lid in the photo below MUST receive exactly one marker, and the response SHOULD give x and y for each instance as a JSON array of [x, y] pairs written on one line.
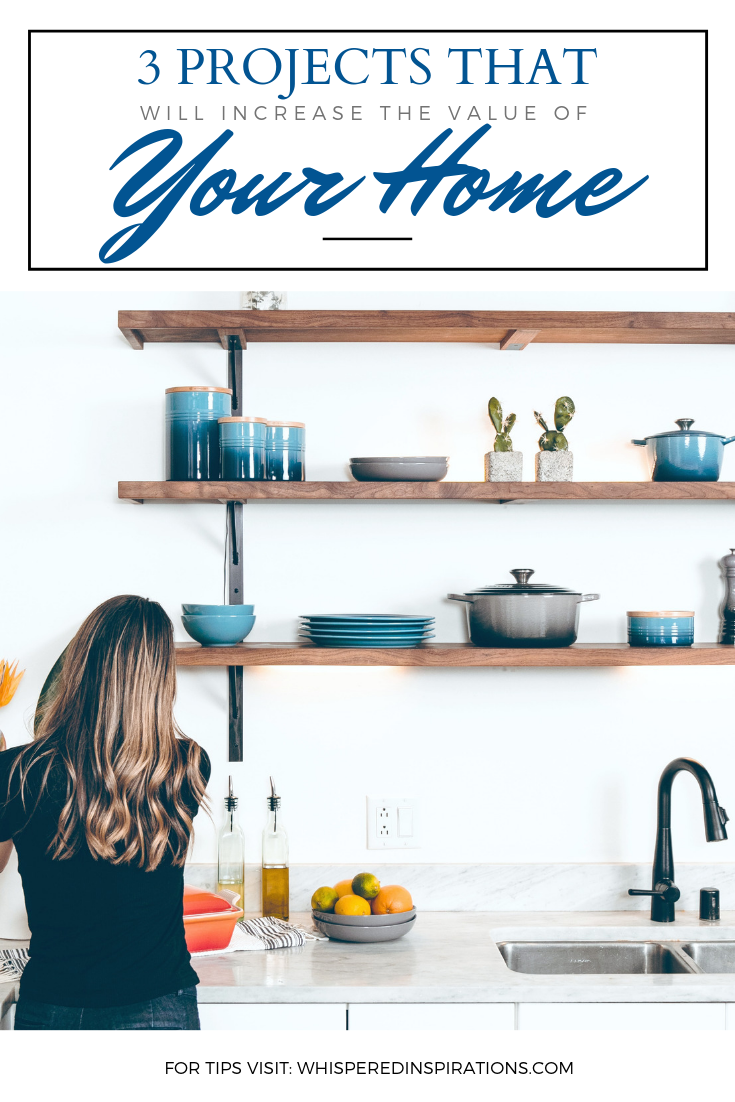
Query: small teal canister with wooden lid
[[661, 629], [192, 431], [284, 451], [242, 448]]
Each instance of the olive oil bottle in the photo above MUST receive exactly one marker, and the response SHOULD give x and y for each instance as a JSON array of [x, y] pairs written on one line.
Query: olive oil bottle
[[275, 861], [231, 852]]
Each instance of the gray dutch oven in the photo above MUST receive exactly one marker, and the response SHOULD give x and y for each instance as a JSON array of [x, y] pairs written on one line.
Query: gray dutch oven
[[524, 614]]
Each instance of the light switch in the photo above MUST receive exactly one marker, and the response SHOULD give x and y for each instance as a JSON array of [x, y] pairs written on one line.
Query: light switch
[[405, 822]]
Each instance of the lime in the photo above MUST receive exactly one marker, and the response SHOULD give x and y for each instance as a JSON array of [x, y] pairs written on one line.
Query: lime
[[366, 885], [324, 899]]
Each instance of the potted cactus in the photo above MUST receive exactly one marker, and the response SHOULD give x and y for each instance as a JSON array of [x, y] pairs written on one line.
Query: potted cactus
[[554, 461], [502, 464]]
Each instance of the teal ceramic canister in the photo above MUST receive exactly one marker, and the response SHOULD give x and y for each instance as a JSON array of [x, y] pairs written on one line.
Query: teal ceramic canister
[[242, 448], [660, 629], [285, 443], [192, 431]]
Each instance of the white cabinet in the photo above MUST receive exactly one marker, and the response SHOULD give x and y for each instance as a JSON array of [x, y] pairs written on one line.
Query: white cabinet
[[621, 1016], [273, 1015], [444, 1016], [6, 1022], [729, 1015]]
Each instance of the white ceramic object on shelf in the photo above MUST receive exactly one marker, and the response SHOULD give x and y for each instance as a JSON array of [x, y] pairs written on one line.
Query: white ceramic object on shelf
[[554, 466], [503, 466]]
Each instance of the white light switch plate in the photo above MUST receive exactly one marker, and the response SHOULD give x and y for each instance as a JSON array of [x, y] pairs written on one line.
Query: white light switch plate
[[393, 822]]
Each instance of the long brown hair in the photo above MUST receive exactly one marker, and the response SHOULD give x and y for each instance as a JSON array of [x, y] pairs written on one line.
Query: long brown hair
[[109, 721]]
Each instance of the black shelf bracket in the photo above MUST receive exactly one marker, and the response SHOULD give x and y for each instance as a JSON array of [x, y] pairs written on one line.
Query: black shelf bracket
[[235, 561]]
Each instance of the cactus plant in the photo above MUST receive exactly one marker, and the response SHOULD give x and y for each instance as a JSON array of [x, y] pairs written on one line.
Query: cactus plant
[[556, 441], [503, 442]]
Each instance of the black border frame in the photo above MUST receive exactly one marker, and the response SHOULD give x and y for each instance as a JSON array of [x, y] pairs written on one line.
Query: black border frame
[[378, 30]]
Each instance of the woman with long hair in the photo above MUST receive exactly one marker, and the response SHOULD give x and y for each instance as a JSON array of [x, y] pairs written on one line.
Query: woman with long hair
[[100, 808]]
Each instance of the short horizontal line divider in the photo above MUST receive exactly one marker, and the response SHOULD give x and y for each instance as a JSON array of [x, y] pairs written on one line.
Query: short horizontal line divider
[[367, 239], [454, 654]]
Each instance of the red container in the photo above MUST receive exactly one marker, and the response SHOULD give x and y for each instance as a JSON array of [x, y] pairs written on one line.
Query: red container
[[209, 920]]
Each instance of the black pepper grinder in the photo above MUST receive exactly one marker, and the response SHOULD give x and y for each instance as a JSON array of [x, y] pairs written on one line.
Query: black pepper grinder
[[727, 610]]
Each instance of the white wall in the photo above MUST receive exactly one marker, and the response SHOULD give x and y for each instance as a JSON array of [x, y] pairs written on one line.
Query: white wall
[[510, 765]]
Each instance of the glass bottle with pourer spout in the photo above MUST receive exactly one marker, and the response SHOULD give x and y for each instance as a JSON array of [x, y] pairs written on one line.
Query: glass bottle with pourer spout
[[275, 894], [231, 852]]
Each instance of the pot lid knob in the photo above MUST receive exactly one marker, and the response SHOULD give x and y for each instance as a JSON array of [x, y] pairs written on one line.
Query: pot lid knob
[[522, 576], [685, 423]]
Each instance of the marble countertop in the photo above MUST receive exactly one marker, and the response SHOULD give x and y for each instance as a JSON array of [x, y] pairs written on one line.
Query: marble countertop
[[452, 957]]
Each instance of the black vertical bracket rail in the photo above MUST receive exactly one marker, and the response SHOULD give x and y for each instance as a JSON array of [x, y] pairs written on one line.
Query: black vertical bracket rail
[[235, 560]]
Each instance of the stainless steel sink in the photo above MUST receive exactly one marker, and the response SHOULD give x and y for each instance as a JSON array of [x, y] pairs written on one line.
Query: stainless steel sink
[[585, 958], [712, 956]]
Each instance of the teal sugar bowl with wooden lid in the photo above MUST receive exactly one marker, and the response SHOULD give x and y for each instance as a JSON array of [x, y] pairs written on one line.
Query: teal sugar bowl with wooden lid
[[660, 629]]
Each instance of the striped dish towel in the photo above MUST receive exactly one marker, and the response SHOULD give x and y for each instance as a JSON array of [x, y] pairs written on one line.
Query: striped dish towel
[[12, 963], [264, 933]]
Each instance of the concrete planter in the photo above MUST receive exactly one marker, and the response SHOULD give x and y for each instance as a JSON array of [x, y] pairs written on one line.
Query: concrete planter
[[554, 466], [503, 466]]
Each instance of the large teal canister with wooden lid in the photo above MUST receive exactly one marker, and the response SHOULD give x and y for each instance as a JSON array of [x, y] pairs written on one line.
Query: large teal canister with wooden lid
[[192, 431]]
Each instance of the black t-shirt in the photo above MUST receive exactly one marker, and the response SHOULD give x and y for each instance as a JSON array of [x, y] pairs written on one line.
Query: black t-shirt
[[101, 934]]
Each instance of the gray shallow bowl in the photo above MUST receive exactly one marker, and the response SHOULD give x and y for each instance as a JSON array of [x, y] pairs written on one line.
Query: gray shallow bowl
[[365, 920], [364, 933], [418, 468]]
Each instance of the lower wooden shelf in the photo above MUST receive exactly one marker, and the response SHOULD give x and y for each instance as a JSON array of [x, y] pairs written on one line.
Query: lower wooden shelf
[[454, 654]]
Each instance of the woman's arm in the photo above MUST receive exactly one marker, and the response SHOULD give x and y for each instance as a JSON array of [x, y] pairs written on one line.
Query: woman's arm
[[6, 848]]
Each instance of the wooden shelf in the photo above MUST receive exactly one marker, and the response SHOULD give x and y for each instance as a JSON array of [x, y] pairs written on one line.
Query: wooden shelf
[[141, 327], [454, 654], [493, 492]]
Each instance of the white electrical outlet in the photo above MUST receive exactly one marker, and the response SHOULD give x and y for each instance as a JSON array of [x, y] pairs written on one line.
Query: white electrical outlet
[[392, 822]]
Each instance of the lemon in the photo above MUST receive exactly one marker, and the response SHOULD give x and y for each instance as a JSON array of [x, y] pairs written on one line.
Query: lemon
[[344, 887], [352, 905], [366, 885], [324, 899]]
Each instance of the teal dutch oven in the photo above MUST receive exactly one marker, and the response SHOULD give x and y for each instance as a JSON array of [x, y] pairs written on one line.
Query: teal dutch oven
[[685, 455]]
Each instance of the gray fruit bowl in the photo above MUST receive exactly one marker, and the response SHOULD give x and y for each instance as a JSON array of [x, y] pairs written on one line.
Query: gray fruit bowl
[[365, 920], [364, 934], [395, 468]]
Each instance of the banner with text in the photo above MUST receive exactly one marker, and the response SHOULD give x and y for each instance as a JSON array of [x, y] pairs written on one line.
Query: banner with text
[[347, 150]]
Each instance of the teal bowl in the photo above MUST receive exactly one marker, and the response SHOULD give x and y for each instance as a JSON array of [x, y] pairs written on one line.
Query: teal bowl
[[218, 631], [217, 610]]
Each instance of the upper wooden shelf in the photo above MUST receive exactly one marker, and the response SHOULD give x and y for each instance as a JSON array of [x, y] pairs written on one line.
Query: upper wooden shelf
[[454, 654], [493, 492], [141, 327]]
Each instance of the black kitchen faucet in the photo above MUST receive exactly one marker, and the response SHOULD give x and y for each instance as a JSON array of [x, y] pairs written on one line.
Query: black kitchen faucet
[[664, 892]]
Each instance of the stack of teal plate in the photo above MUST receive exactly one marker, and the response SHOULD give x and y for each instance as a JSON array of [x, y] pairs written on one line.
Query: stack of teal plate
[[362, 630]]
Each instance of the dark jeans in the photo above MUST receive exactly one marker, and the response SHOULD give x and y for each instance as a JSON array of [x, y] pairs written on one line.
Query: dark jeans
[[175, 1011]]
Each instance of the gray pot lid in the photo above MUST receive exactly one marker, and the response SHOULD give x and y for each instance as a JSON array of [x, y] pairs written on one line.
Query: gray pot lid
[[685, 424], [521, 587]]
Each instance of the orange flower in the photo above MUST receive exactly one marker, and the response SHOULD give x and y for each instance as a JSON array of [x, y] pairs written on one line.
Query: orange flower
[[9, 681]]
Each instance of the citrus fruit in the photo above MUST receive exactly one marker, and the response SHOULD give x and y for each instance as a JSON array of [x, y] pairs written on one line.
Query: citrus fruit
[[391, 900], [343, 888], [366, 885], [324, 899], [352, 905]]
